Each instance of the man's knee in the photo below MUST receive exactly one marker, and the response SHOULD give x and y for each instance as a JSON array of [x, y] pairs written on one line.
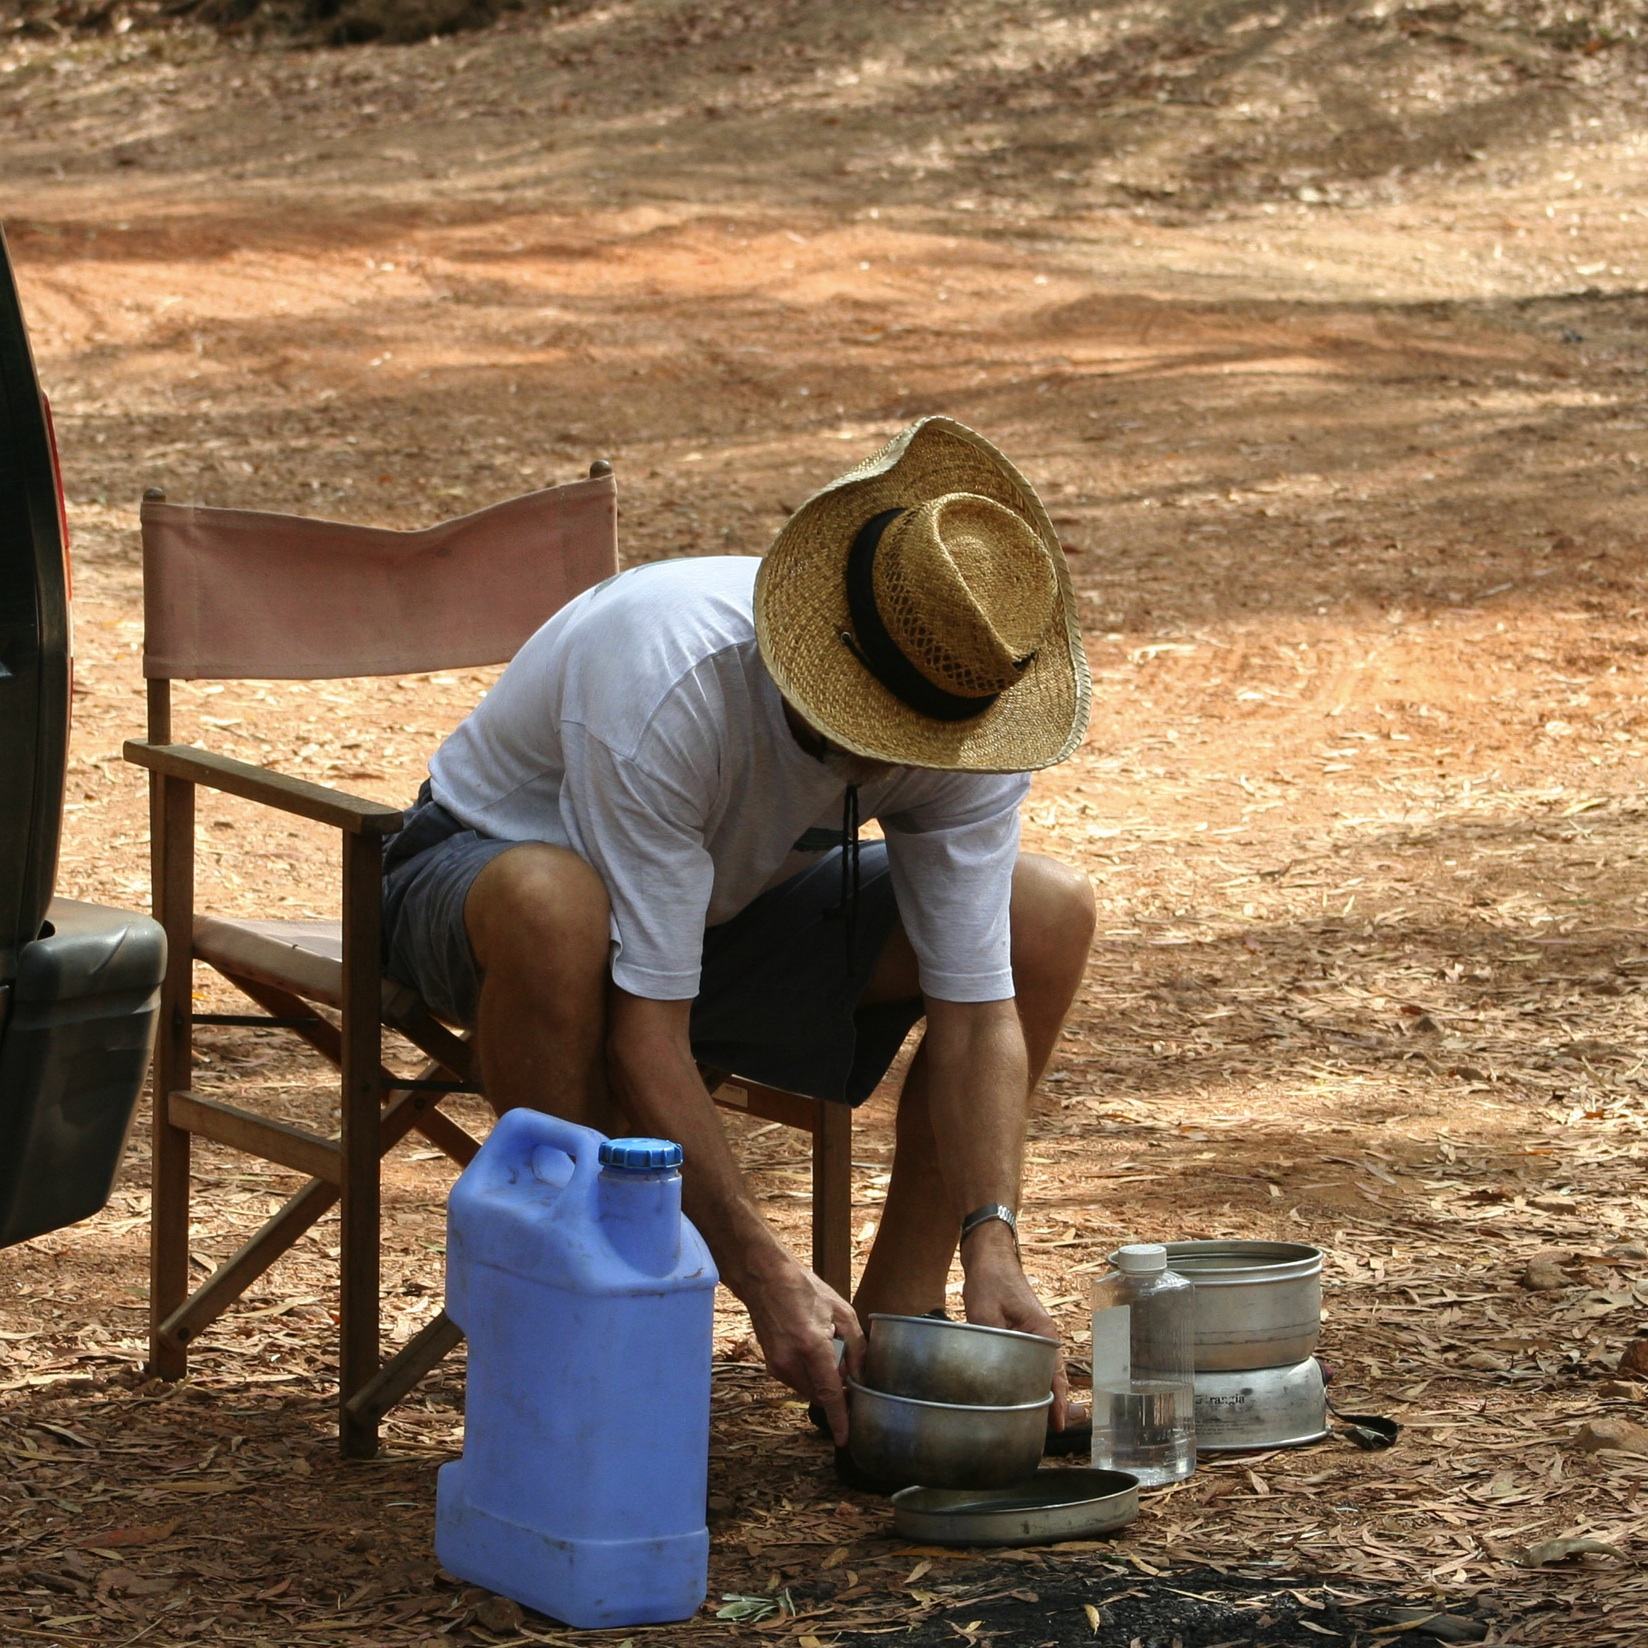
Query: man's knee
[[541, 916], [1053, 916]]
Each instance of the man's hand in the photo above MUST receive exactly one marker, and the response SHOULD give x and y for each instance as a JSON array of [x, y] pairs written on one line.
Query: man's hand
[[996, 1294], [797, 1319]]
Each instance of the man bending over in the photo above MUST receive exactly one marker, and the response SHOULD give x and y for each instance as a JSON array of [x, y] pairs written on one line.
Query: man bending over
[[639, 855]]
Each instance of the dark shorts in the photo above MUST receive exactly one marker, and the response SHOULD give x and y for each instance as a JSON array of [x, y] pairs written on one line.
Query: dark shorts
[[777, 1000]]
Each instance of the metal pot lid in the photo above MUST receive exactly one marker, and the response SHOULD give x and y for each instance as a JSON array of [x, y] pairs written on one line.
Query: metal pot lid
[[1235, 1261], [1054, 1504]]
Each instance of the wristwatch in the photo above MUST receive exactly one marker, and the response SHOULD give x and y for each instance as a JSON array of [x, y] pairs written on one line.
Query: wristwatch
[[983, 1215]]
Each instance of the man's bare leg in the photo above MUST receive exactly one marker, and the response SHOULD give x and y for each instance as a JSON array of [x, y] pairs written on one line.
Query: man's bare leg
[[1052, 930], [537, 918]]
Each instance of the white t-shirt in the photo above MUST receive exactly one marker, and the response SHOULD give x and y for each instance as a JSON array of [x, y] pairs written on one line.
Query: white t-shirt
[[639, 728]]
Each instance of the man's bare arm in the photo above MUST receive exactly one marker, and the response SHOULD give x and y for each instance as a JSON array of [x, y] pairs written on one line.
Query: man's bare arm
[[795, 1315], [978, 1099]]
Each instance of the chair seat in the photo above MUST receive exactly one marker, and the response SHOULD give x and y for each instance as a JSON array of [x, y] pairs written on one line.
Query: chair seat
[[304, 957]]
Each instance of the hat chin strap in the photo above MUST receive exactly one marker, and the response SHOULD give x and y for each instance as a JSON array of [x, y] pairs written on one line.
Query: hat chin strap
[[878, 652]]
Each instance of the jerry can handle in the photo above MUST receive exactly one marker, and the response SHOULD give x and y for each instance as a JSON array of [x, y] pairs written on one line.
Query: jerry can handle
[[519, 1136]]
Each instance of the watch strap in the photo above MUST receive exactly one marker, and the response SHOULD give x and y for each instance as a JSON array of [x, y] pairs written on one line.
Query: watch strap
[[983, 1215]]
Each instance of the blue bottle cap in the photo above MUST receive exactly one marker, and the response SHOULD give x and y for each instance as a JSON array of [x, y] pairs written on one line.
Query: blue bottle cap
[[640, 1155]]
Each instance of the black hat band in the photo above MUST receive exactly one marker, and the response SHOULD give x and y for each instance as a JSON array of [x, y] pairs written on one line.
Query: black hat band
[[879, 653]]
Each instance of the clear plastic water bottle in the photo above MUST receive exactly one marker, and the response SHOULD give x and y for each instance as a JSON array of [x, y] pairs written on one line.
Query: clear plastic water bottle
[[1144, 1330]]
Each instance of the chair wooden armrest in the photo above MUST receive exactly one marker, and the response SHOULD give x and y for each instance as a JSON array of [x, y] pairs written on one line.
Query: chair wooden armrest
[[291, 795]]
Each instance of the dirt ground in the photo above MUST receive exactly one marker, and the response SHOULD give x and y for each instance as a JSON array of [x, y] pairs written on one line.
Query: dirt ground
[[1320, 329]]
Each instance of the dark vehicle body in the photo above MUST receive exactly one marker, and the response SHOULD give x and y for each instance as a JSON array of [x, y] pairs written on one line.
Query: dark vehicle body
[[79, 983]]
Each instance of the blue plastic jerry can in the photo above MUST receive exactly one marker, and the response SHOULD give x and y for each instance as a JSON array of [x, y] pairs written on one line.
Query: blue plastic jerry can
[[587, 1299]]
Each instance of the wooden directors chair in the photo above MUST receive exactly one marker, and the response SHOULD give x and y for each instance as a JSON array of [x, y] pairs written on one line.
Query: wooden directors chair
[[239, 595]]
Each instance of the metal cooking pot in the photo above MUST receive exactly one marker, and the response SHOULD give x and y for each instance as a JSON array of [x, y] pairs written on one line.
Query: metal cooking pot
[[1258, 1304], [935, 1360], [897, 1439]]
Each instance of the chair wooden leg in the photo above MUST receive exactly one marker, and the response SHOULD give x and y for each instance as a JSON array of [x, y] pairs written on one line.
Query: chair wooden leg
[[361, 1063], [833, 1196], [172, 824]]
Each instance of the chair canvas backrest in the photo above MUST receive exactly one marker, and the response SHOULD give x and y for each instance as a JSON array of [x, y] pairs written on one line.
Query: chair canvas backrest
[[231, 594]]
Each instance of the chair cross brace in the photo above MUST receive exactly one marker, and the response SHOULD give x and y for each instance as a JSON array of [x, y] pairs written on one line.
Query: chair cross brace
[[265, 1020], [409, 1109]]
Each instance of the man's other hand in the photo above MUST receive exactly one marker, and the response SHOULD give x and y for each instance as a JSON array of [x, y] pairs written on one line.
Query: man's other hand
[[997, 1294], [797, 1319]]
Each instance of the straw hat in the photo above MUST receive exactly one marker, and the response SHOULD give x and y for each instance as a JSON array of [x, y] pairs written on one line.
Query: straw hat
[[918, 610]]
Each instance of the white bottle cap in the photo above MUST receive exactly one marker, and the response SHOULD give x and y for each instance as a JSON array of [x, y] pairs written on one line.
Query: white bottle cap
[[1141, 1258]]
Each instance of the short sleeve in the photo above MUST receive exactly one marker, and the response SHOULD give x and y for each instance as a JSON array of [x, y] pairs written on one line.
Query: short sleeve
[[643, 834], [952, 855]]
